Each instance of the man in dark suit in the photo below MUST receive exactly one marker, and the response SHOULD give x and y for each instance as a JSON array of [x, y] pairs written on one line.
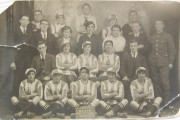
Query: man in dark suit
[[138, 35], [23, 57], [44, 63], [44, 35], [129, 63], [161, 60]]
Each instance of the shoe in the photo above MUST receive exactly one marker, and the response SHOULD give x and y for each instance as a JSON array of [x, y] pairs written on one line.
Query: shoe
[[46, 115], [60, 115], [122, 115], [19, 114], [109, 114], [73, 115], [30, 114], [147, 114]]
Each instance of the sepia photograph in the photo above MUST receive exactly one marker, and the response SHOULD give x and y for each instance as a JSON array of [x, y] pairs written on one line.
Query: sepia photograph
[[87, 59]]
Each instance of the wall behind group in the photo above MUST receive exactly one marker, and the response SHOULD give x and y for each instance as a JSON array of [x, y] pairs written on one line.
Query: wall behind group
[[100, 9]]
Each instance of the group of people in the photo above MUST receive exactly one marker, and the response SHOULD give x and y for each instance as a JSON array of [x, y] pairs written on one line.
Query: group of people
[[109, 71]]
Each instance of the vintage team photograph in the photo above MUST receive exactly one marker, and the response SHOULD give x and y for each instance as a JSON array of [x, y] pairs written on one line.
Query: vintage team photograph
[[90, 60]]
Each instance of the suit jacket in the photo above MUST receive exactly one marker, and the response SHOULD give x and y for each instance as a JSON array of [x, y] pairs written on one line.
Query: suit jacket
[[127, 63], [49, 64], [142, 40], [50, 41], [20, 37]]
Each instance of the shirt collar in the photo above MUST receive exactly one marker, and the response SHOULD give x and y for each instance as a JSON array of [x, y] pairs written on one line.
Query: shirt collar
[[22, 28], [136, 53], [42, 56]]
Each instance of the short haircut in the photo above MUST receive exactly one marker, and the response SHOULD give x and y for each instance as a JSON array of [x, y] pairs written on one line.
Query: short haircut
[[137, 22], [24, 16], [116, 26], [40, 42], [38, 11], [44, 20], [84, 68], [160, 20], [66, 28], [133, 41], [89, 23], [110, 41], [86, 4], [132, 11]]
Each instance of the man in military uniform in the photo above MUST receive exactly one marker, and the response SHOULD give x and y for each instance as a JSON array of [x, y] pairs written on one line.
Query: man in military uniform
[[161, 60]]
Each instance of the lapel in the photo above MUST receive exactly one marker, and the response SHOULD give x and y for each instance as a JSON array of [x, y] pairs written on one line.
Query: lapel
[[38, 61], [46, 62]]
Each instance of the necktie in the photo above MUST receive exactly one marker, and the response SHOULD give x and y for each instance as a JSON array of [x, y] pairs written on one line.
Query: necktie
[[85, 89], [108, 61], [85, 20], [24, 30], [44, 36], [66, 61], [87, 62]]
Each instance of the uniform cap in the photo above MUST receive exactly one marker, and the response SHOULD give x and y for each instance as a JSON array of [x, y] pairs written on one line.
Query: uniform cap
[[86, 43], [140, 69], [57, 71], [29, 70]]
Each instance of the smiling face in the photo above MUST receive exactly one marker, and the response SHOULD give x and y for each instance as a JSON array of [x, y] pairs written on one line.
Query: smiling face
[[111, 76], [31, 76], [66, 48], [90, 28], [42, 49], [86, 10], [108, 47], [37, 16], [136, 28], [115, 32], [44, 26], [67, 33], [56, 78], [24, 21], [87, 49]]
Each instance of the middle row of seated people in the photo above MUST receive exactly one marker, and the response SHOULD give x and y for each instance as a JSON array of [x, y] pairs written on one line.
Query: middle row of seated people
[[70, 64], [84, 93]]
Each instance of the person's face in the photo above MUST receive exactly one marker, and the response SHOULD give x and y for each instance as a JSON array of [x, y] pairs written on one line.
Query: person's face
[[159, 26], [112, 22], [133, 47], [66, 48], [87, 49], [108, 47], [67, 33], [24, 21], [115, 32], [60, 19], [111, 76], [90, 28], [56, 78], [141, 75], [42, 49], [133, 16], [84, 74], [37, 16], [136, 27], [44, 25], [31, 76], [86, 10]]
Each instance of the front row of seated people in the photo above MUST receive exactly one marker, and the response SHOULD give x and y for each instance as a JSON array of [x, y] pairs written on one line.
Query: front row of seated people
[[84, 93]]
